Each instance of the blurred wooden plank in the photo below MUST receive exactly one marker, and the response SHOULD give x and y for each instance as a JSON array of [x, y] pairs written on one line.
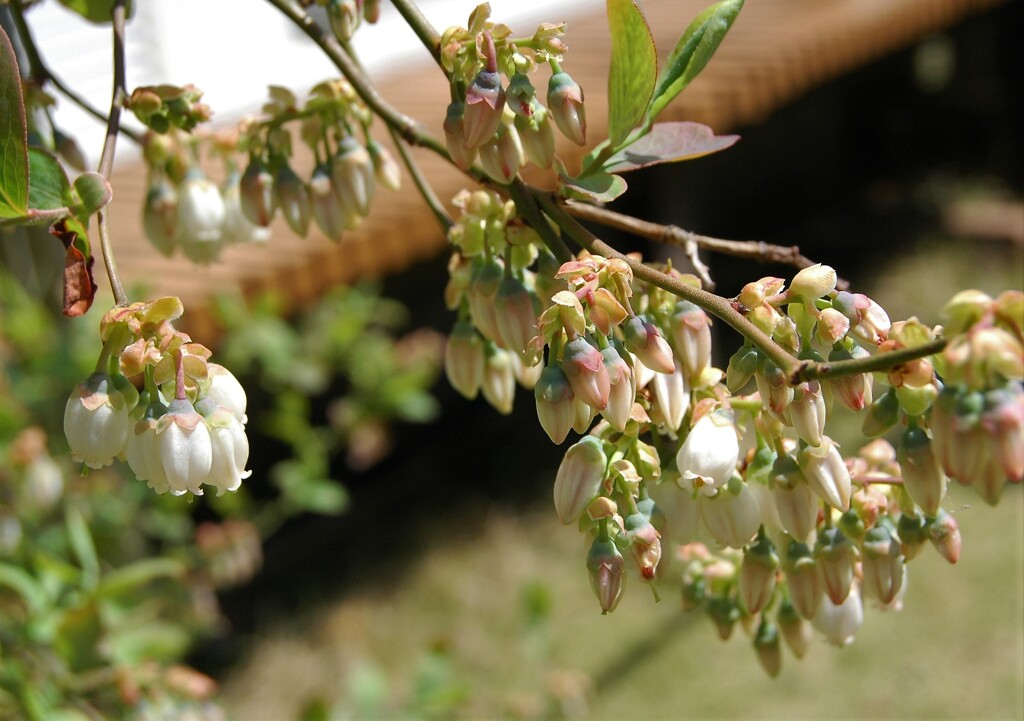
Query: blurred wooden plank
[[777, 51]]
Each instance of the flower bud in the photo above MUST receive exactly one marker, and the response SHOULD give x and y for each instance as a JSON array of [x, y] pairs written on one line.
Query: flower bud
[[644, 340], [912, 530], [836, 557], [732, 515], [944, 533], [769, 652], [256, 189], [796, 632], [922, 477], [840, 622], [795, 502], [584, 416], [555, 408], [774, 388], [805, 585], [605, 566], [160, 216], [708, 457], [852, 391], [537, 137], [807, 411], [565, 101], [681, 509], [827, 474], [691, 333], [502, 156], [757, 575], [184, 447], [328, 213], [882, 565], [344, 16], [516, 314], [353, 176], [499, 380], [964, 310], [291, 195], [584, 367], [645, 544], [385, 167], [724, 614], [671, 398], [1003, 422], [201, 214], [455, 136], [882, 414], [813, 282], [622, 389], [740, 370], [579, 478], [96, 420], [237, 228], [485, 100]]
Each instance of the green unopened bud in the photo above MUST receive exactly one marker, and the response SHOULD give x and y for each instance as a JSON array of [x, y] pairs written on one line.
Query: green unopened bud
[[913, 533], [882, 414], [455, 136], [964, 310], [741, 368], [485, 100], [385, 167], [353, 176], [565, 100], [328, 214], [555, 408], [291, 195], [498, 384], [344, 17], [769, 652], [836, 556], [805, 585], [882, 565], [160, 216], [944, 533], [757, 575], [257, 193], [537, 137], [922, 477], [796, 631], [724, 613], [605, 567]]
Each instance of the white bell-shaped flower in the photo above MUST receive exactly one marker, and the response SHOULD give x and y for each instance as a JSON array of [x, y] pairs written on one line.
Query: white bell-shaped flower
[[201, 214], [226, 391], [96, 420], [184, 447], [229, 446], [708, 456]]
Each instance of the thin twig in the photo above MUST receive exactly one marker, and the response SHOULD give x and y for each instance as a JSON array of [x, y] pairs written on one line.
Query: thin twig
[[110, 148], [41, 73], [528, 209], [674, 235], [421, 182]]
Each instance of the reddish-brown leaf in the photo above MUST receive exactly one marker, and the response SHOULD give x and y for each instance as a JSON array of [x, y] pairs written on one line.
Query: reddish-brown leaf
[[79, 286]]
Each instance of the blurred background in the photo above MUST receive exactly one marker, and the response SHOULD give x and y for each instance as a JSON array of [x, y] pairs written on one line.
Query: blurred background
[[395, 553]]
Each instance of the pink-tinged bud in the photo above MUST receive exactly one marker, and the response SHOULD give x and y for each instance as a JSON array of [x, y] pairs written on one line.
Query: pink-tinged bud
[[185, 448], [774, 388], [584, 367], [537, 137], [807, 412], [691, 333], [984, 357], [922, 477], [839, 623], [644, 340], [944, 533], [160, 216], [1003, 422], [455, 136], [853, 391], [964, 310], [555, 408], [605, 567], [485, 100], [201, 214], [516, 314], [795, 502], [813, 282], [622, 391], [827, 474], [464, 359], [708, 457], [757, 575], [520, 96], [959, 440], [671, 398], [912, 530], [565, 101], [96, 421], [769, 651], [882, 565], [292, 197], [328, 214], [836, 556], [498, 384], [832, 326], [353, 176], [645, 546], [796, 632], [579, 478], [502, 156], [642, 373], [732, 517], [869, 323], [385, 167], [806, 589], [256, 188], [584, 416]]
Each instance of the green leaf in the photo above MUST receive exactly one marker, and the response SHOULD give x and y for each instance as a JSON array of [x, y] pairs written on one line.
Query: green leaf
[[13, 136], [19, 581], [96, 11], [669, 143], [82, 544], [49, 188], [633, 71], [593, 188], [136, 575], [692, 53], [154, 641]]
